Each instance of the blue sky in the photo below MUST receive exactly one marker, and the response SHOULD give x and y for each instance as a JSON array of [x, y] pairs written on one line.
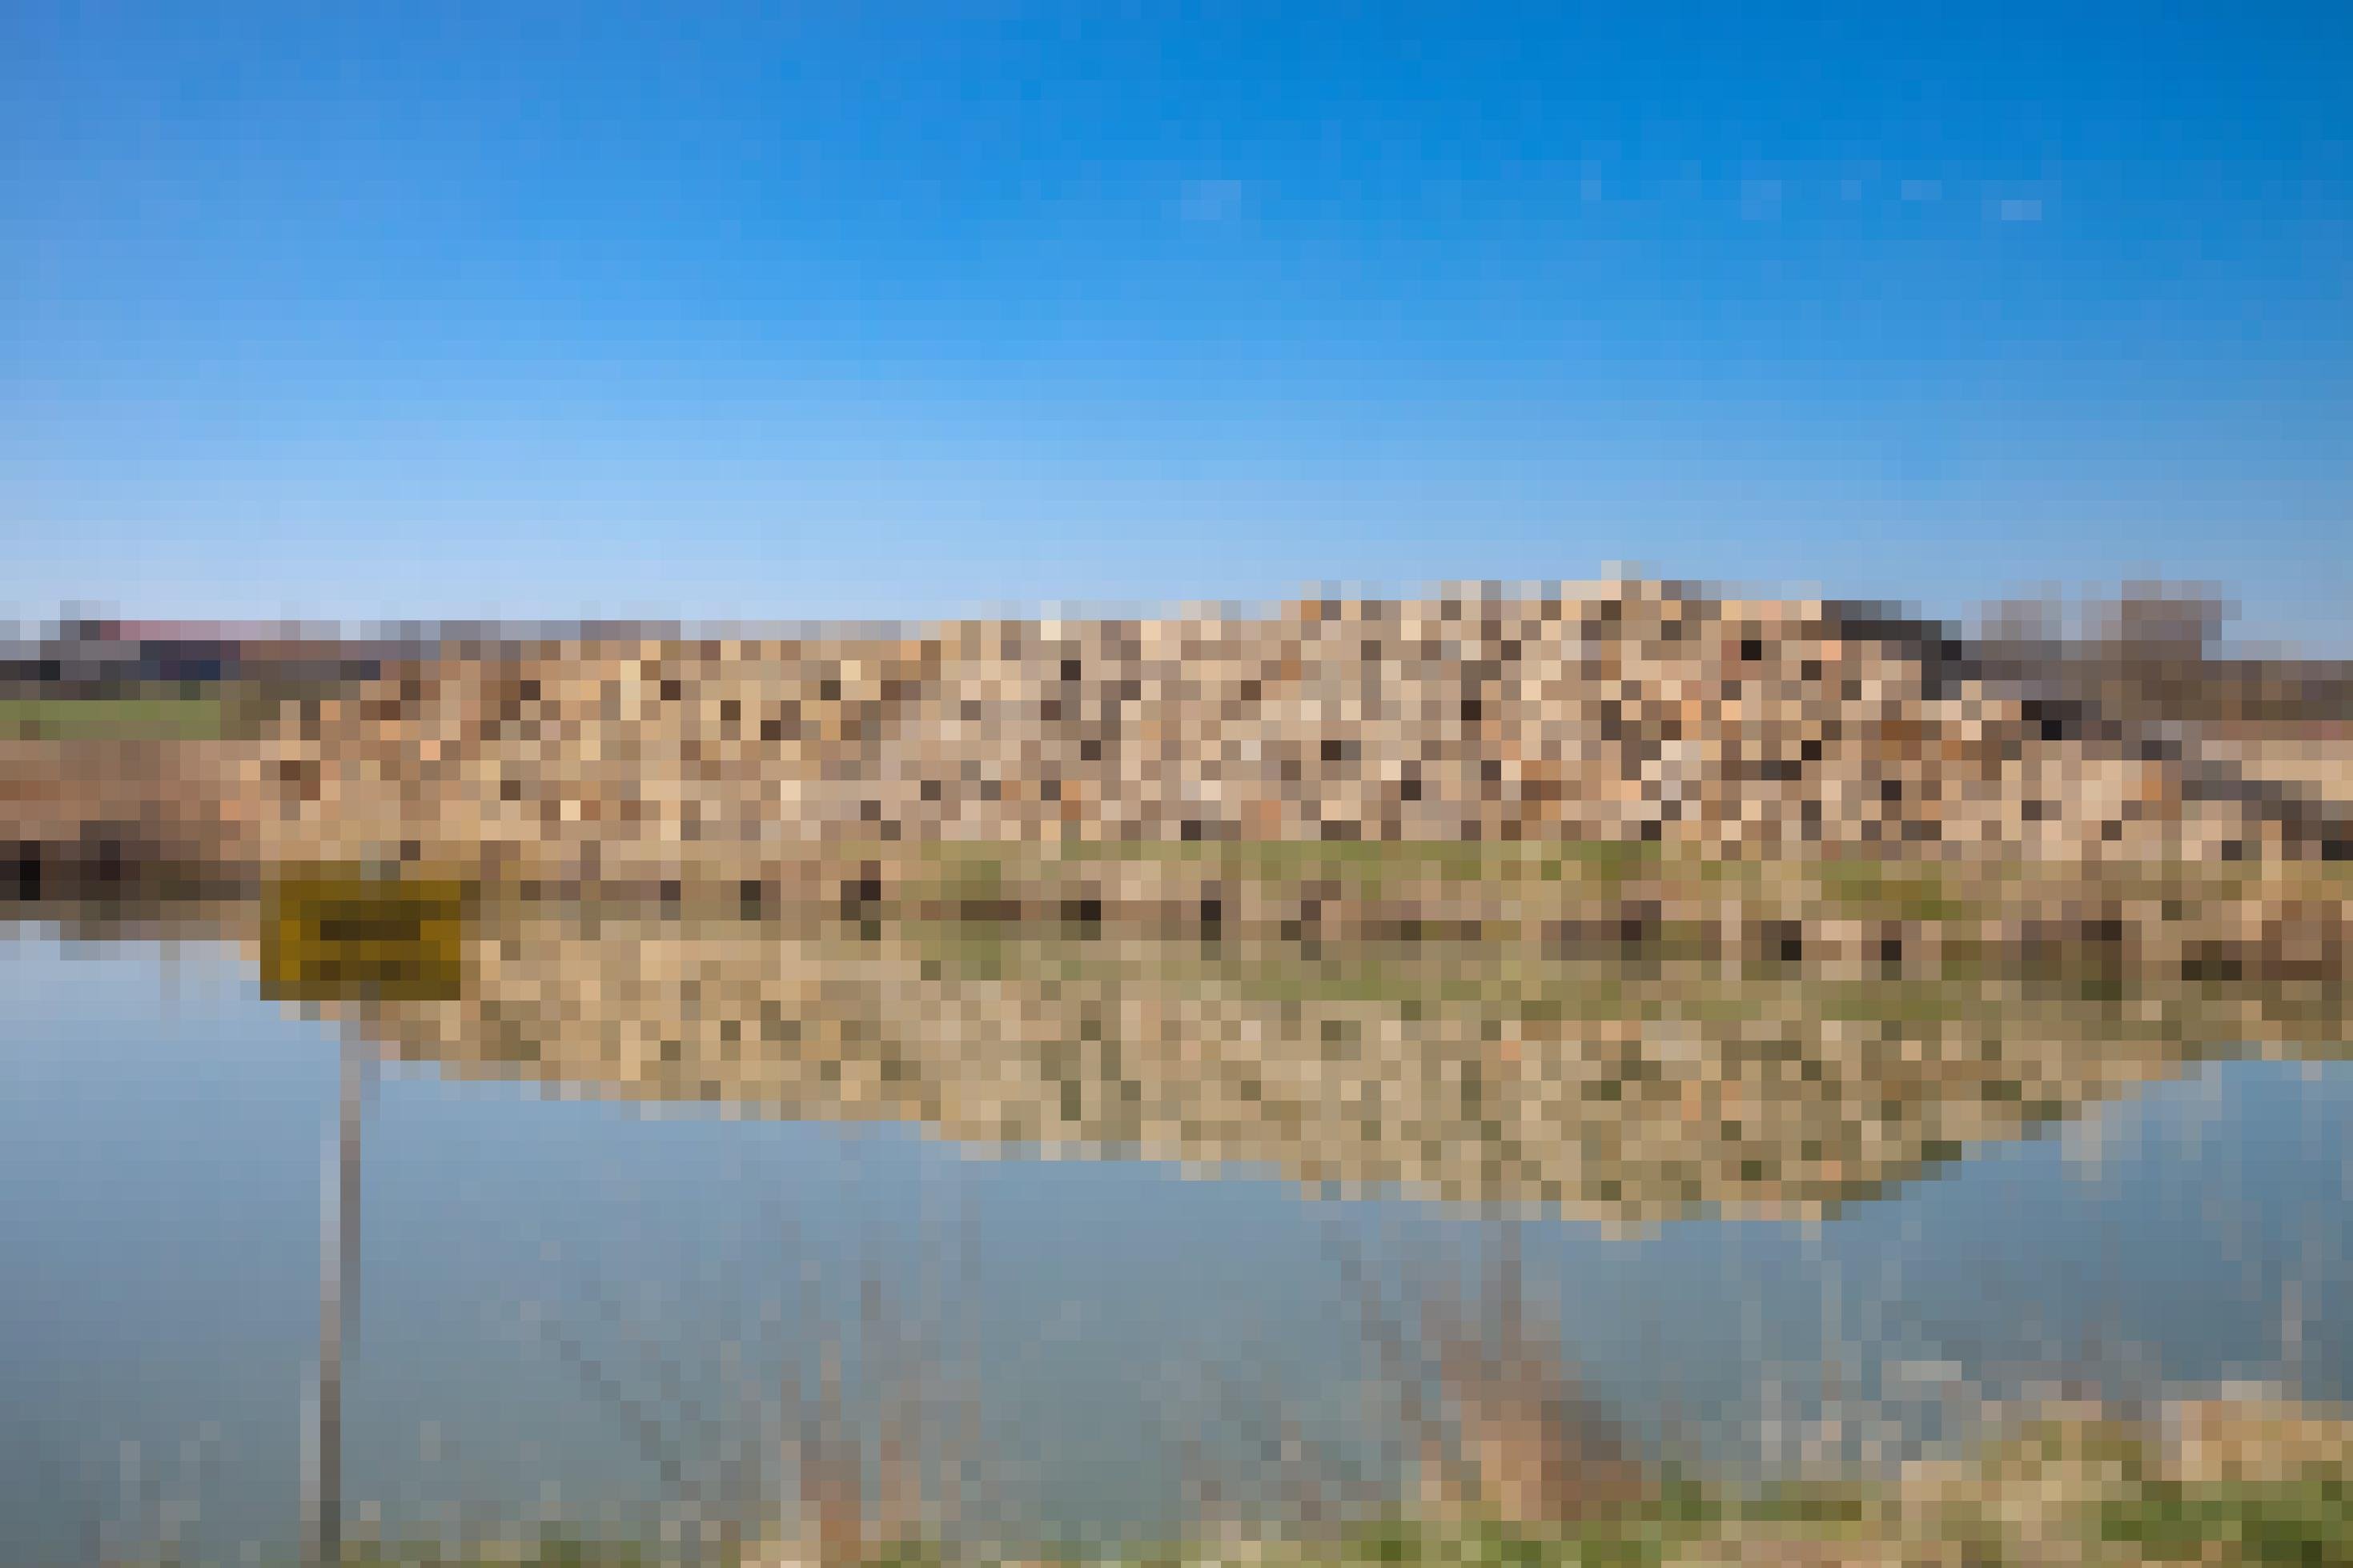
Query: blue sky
[[816, 310]]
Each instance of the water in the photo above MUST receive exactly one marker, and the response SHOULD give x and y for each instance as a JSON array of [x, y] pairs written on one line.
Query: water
[[579, 1308]]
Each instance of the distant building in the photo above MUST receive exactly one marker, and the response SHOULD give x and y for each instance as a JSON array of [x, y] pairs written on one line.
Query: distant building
[[91, 657]]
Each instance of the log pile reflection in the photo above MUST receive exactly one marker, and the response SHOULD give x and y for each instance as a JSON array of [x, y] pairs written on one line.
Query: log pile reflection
[[1469, 1073]]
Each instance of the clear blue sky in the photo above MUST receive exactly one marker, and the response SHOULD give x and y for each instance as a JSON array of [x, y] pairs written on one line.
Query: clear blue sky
[[350, 310]]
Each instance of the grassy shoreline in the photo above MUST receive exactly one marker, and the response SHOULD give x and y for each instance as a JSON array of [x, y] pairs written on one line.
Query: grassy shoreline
[[1668, 902], [2081, 1493]]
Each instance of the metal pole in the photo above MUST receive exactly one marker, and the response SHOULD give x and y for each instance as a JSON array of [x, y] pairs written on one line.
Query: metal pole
[[339, 1247]]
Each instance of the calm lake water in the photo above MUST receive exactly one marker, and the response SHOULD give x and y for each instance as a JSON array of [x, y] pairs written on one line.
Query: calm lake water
[[579, 1309]]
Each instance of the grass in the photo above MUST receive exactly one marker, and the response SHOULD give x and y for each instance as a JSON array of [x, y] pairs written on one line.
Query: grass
[[2289, 1525], [1360, 867], [184, 718], [1636, 1538]]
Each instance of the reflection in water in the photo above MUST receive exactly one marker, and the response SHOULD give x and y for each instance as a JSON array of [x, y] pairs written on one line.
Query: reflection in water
[[1613, 1092], [741, 1322]]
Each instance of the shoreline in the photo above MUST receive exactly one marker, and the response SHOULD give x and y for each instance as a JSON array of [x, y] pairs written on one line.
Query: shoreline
[[2243, 1478], [1852, 911]]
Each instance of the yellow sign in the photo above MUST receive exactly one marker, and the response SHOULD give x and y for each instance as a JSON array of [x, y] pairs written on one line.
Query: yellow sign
[[341, 936]]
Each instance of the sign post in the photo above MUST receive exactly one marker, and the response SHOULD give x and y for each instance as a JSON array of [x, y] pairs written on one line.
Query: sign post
[[346, 936]]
